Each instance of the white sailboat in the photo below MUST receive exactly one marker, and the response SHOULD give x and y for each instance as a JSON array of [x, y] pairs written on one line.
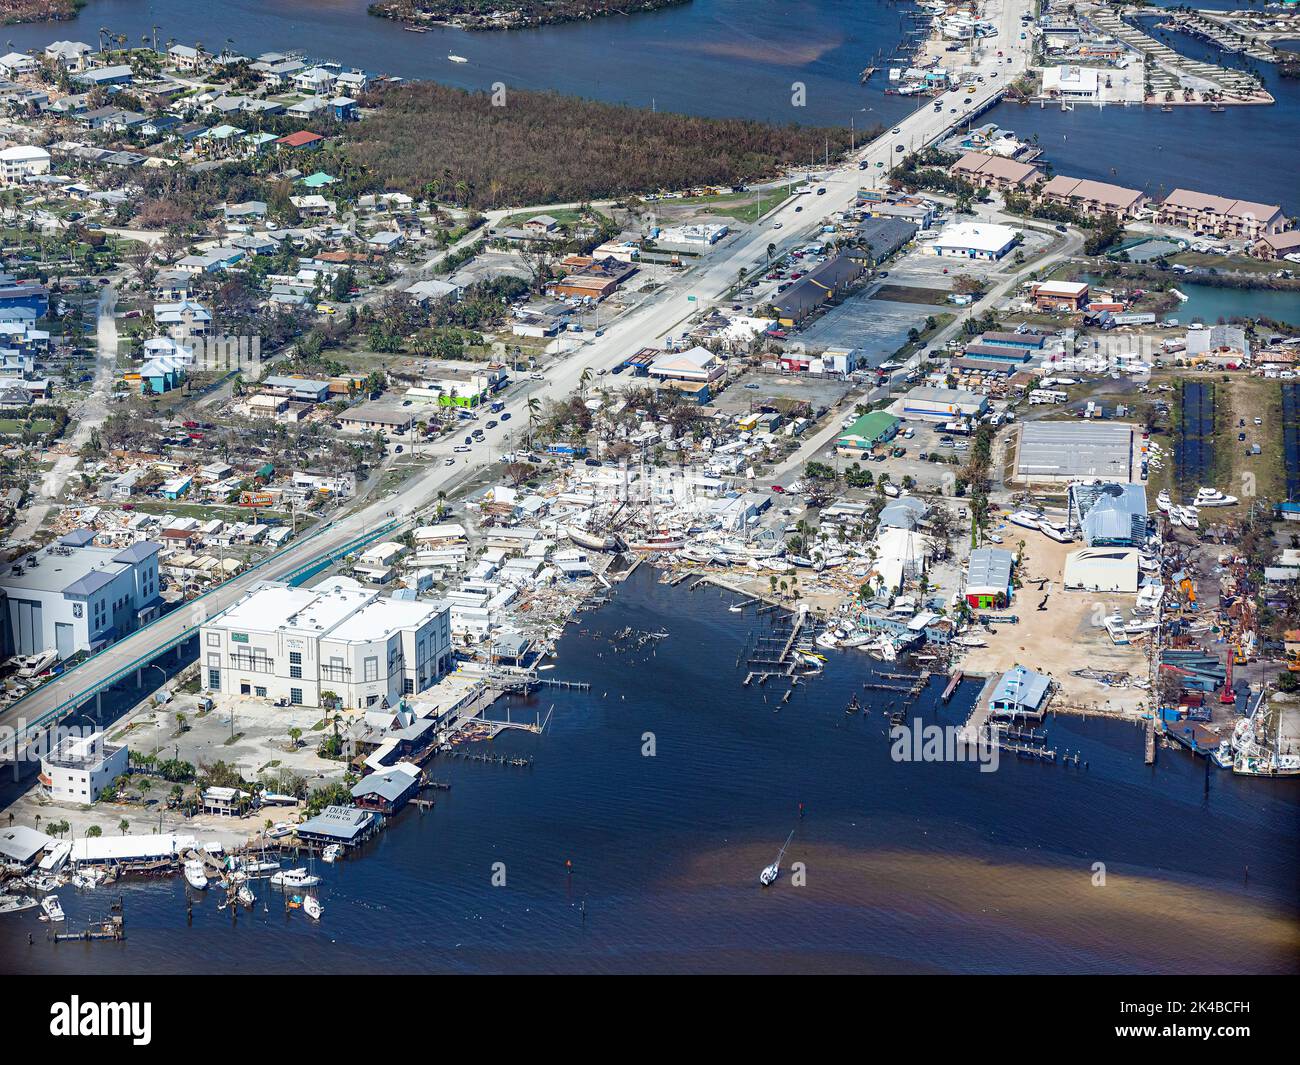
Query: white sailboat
[[195, 875], [769, 874], [312, 907]]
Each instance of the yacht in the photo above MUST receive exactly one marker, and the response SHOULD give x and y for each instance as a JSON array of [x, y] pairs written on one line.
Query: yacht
[[1164, 502], [1212, 497], [1189, 518], [195, 875], [52, 908], [294, 878], [1058, 532], [1026, 519], [769, 874]]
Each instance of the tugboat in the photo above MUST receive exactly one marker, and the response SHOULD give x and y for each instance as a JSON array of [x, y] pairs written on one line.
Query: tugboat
[[769, 874]]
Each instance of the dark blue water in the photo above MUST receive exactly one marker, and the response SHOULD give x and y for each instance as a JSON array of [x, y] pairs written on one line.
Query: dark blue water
[[738, 58], [909, 866], [711, 57]]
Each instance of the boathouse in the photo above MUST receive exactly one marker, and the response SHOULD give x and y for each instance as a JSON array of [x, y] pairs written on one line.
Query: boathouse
[[347, 826]]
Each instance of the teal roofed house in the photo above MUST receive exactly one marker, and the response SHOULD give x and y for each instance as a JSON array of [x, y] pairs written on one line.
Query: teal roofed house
[[318, 180], [161, 374]]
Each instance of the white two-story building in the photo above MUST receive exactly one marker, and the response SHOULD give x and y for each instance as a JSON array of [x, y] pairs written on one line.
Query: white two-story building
[[291, 645]]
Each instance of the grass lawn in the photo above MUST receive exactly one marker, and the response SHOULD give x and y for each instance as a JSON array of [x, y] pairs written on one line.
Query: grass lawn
[[1234, 263], [14, 426], [742, 206]]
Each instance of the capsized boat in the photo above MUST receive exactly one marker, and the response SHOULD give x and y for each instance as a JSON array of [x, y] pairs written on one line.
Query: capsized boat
[[1025, 519], [195, 875], [592, 541], [770, 872]]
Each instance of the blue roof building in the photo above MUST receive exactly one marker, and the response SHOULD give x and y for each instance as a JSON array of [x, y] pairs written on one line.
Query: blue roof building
[[1020, 692]]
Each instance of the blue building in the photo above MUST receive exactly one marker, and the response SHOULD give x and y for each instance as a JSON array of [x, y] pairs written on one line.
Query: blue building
[[1020, 692]]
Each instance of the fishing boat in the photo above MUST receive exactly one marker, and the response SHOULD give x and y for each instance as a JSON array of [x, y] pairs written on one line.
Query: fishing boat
[[331, 853], [769, 874], [294, 878], [312, 907], [458, 59], [195, 875], [52, 908]]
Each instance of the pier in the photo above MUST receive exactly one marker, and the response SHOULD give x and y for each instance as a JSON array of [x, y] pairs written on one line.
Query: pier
[[1149, 757], [953, 683]]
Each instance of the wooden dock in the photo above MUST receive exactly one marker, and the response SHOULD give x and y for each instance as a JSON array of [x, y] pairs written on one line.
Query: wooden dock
[[1149, 757], [953, 683]]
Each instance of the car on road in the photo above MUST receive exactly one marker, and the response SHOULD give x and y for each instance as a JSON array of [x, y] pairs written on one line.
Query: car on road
[[325, 308], [492, 424], [777, 225], [469, 440], [897, 129], [778, 489], [798, 209], [995, 538], [899, 148], [1060, 227], [536, 377], [449, 461], [1241, 436], [460, 449], [505, 416], [397, 450], [752, 385]]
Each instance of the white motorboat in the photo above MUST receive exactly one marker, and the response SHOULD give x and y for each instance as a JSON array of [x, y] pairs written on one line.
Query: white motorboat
[[1164, 502], [735, 608], [858, 639], [1055, 531], [311, 907], [970, 639], [1212, 497], [826, 640], [52, 908], [1189, 518], [195, 875], [245, 895], [457, 58], [16, 903], [1026, 519], [331, 853], [770, 872], [294, 878]]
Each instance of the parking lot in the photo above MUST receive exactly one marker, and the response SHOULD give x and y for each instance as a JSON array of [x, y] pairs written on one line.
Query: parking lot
[[821, 393], [876, 327]]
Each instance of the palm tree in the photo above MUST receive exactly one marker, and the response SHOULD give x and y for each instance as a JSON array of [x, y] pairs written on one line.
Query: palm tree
[[123, 825], [534, 406], [585, 379]]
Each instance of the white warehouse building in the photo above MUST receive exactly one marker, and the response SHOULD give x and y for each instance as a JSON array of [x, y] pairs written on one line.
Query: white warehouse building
[[291, 644], [71, 596], [975, 240]]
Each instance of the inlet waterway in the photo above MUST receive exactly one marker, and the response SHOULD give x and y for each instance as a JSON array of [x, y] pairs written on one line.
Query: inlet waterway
[[737, 58], [668, 786]]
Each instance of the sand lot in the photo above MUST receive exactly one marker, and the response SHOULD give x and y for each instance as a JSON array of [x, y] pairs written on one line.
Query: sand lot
[[1062, 637]]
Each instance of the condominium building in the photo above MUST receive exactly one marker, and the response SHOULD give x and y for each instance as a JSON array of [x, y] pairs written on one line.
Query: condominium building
[[995, 172], [1093, 198], [1221, 216], [290, 645]]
